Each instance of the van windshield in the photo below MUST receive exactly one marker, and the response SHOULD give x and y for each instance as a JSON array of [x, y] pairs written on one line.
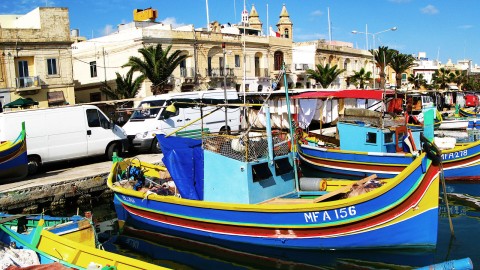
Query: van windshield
[[148, 109]]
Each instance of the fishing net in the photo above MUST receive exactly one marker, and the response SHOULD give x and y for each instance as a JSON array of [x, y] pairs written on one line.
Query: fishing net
[[245, 148]]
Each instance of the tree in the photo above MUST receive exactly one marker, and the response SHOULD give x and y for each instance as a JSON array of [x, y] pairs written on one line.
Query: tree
[[383, 58], [400, 63], [441, 78], [458, 77], [126, 87], [325, 75], [417, 80], [361, 77], [157, 65]]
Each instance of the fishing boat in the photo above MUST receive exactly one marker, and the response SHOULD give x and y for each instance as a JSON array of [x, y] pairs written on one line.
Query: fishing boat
[[382, 150], [57, 244], [255, 201], [13, 158], [468, 113]]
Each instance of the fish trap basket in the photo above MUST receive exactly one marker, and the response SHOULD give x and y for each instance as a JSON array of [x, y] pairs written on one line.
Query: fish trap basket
[[245, 148]]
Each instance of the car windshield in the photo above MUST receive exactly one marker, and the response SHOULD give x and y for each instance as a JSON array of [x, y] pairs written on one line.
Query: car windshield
[[147, 109]]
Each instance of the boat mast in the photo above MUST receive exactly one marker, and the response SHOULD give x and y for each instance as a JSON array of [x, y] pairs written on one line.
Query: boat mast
[[290, 121]]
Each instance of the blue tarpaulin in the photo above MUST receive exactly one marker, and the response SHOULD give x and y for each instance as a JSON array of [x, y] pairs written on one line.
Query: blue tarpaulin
[[183, 158]]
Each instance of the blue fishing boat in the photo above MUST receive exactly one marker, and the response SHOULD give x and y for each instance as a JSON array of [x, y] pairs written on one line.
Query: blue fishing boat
[[13, 158]]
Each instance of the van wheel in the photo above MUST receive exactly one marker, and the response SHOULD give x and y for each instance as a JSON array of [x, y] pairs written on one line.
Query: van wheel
[[155, 148], [224, 131], [33, 165], [114, 147]]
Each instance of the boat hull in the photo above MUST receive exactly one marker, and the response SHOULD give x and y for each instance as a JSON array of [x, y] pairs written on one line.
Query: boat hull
[[459, 163], [13, 160], [378, 219]]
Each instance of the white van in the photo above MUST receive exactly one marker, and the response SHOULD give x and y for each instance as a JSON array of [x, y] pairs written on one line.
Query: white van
[[63, 133], [151, 116]]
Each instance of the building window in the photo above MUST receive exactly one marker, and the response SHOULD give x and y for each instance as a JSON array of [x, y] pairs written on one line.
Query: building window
[[287, 33], [94, 97], [52, 66], [237, 60], [277, 60], [93, 69]]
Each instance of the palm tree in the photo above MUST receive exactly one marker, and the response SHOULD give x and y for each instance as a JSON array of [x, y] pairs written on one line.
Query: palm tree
[[157, 65], [417, 80], [325, 75], [383, 57], [361, 77], [400, 63], [440, 78], [126, 87], [458, 77]]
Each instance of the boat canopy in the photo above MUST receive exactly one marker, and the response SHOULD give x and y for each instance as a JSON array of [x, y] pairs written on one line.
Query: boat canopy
[[365, 94], [183, 158]]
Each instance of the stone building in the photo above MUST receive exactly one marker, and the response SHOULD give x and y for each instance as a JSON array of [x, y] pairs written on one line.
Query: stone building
[[35, 57], [240, 55]]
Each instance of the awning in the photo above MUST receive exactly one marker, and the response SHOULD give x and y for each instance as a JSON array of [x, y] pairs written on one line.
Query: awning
[[21, 103], [366, 94], [55, 97]]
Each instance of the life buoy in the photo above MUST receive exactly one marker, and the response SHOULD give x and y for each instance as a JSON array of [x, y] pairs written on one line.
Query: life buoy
[[323, 185]]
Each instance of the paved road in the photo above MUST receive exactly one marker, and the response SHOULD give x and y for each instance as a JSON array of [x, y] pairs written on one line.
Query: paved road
[[64, 171]]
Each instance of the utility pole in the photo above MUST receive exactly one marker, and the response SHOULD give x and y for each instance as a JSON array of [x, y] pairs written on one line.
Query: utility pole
[[225, 85]]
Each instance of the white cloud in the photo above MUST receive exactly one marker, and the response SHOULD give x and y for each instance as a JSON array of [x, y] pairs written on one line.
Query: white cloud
[[107, 30], [465, 26], [429, 9], [172, 21], [316, 13]]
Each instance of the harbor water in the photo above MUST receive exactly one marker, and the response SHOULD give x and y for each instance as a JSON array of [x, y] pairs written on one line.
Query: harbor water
[[178, 253]]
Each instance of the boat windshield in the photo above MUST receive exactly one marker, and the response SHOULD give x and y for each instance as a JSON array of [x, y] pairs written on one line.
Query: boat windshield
[[148, 109]]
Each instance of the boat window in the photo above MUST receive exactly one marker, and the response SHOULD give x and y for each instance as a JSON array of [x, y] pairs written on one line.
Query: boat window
[[371, 137], [389, 137], [261, 172], [283, 166], [148, 109]]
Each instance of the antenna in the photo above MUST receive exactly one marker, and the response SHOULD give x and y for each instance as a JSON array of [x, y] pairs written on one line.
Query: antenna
[[208, 19], [329, 26], [235, 10]]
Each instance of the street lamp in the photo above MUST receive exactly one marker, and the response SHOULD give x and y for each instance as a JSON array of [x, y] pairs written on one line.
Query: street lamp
[[373, 47]]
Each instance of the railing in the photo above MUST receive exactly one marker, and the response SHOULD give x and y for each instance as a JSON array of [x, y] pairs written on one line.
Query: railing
[[27, 82], [302, 67], [187, 72], [262, 72], [219, 72]]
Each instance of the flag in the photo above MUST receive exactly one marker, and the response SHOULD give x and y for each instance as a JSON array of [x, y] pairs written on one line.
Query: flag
[[273, 33]]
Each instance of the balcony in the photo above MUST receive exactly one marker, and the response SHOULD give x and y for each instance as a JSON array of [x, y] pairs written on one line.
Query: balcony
[[262, 72], [220, 72], [27, 84], [302, 67], [187, 72]]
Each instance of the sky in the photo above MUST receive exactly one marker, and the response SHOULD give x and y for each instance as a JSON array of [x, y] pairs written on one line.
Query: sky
[[443, 29]]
